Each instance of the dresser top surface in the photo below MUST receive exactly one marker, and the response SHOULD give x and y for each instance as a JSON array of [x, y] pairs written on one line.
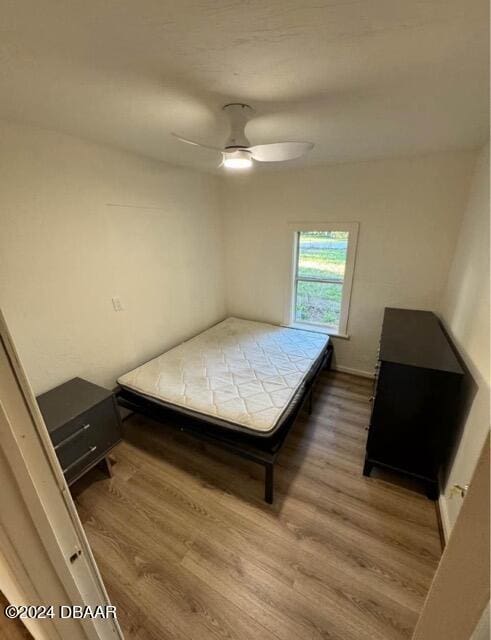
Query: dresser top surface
[[416, 338], [69, 400]]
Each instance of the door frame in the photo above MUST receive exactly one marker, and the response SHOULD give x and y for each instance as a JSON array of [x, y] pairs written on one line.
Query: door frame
[[45, 557], [460, 589]]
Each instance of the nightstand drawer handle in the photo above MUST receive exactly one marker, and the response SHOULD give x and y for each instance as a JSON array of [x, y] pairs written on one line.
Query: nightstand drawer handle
[[87, 453], [72, 436]]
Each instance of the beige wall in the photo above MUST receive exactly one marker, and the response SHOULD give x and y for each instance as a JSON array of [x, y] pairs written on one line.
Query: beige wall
[[409, 212], [465, 312], [65, 251]]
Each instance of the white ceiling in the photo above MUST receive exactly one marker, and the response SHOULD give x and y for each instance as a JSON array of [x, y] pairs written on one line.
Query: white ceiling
[[360, 78]]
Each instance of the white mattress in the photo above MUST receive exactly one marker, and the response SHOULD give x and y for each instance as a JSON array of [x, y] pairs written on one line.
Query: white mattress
[[238, 371]]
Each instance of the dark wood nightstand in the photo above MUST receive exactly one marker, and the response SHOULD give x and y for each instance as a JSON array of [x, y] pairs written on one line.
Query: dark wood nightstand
[[84, 424]]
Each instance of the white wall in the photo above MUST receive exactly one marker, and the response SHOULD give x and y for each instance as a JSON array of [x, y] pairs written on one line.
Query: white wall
[[65, 251], [465, 312], [409, 212]]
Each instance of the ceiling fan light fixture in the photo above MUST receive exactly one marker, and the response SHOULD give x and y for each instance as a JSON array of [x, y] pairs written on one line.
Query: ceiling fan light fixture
[[238, 154], [237, 159]]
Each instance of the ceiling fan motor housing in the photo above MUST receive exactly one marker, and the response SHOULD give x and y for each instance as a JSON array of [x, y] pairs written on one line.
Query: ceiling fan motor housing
[[239, 114]]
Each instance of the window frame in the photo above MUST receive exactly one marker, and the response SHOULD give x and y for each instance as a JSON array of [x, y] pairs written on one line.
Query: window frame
[[295, 229]]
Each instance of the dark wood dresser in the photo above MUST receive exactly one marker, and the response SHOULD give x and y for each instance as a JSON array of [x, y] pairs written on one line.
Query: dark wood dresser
[[416, 393], [84, 424]]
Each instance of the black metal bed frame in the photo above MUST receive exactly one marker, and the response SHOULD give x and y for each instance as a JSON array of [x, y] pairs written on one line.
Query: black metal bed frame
[[260, 449]]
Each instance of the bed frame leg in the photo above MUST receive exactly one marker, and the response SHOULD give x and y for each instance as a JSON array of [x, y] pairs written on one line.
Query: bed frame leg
[[268, 483]]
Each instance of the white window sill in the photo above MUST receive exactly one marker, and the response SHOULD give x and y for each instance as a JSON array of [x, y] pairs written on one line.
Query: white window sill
[[317, 329]]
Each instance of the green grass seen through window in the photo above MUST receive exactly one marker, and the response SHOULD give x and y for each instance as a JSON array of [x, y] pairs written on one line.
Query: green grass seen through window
[[321, 255]]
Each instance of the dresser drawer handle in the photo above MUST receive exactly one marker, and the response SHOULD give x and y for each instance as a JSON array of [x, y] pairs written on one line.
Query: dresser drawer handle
[[86, 454], [72, 436]]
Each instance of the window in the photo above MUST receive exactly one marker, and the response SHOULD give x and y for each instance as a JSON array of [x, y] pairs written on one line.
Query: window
[[323, 273]]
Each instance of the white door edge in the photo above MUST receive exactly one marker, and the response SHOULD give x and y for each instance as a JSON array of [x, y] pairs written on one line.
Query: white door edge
[[40, 530]]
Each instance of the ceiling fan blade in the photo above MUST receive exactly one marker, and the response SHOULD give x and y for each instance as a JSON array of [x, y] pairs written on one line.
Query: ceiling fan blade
[[279, 151], [196, 144]]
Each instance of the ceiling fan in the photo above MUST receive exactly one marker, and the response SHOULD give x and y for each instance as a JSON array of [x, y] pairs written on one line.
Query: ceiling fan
[[238, 153]]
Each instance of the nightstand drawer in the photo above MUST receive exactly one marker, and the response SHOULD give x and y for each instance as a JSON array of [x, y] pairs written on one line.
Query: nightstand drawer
[[83, 422], [98, 431], [78, 466], [70, 448], [105, 429]]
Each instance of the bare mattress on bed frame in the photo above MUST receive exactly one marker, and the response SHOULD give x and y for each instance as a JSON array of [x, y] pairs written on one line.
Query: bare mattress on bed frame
[[240, 384]]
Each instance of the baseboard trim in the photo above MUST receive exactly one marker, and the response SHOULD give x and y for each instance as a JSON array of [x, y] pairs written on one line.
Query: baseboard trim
[[443, 517], [354, 372]]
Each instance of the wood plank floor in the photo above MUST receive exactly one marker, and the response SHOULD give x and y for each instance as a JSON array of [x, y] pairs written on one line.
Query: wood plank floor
[[11, 629], [189, 550]]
